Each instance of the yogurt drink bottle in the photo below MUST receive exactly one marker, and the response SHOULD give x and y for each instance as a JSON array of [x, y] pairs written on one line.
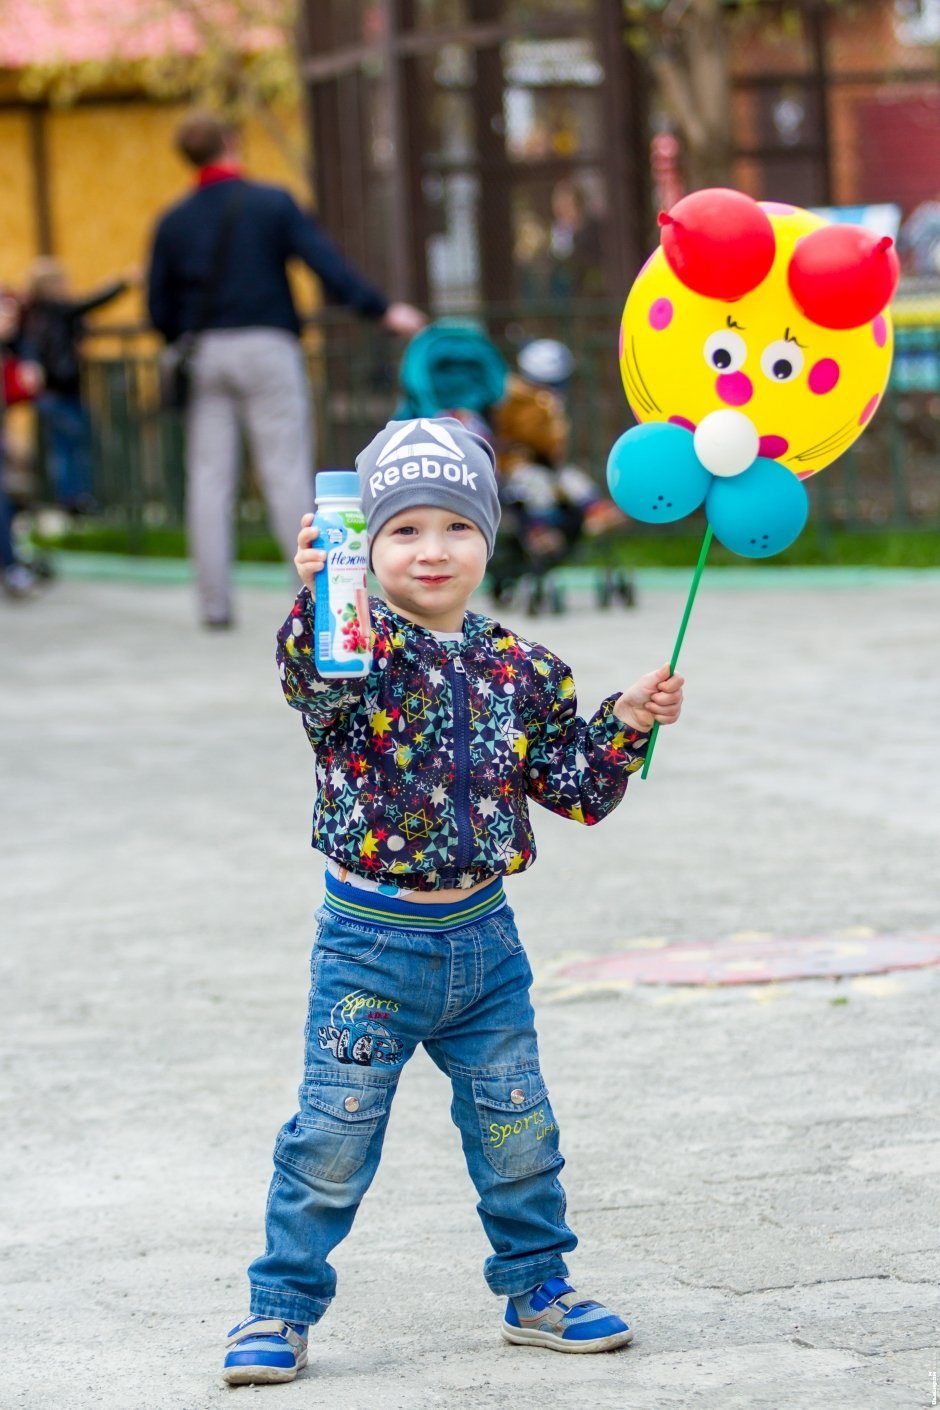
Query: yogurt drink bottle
[[342, 635]]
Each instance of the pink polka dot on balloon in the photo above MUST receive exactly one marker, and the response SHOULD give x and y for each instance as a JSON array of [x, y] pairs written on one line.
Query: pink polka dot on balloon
[[869, 410], [682, 421], [773, 447], [620, 344], [776, 207], [823, 376], [880, 331], [660, 314]]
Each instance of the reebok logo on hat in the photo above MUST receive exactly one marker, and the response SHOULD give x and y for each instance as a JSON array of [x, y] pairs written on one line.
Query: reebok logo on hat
[[441, 439], [430, 461], [401, 448]]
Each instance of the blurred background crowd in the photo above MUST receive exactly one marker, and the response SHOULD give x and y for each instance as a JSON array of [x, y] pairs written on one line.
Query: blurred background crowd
[[492, 165]]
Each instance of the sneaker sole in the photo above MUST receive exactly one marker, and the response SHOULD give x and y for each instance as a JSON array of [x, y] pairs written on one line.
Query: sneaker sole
[[262, 1375], [522, 1336]]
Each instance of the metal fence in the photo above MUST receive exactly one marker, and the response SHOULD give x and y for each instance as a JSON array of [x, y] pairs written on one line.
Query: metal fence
[[889, 479]]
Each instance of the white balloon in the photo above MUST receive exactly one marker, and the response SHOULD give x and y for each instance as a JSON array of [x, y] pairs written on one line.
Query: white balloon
[[726, 442]]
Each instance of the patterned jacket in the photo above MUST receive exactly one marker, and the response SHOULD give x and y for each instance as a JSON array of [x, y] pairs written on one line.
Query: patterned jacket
[[424, 766]]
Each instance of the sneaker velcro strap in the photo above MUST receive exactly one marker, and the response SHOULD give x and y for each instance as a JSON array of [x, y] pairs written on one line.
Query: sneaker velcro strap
[[550, 1292], [269, 1327]]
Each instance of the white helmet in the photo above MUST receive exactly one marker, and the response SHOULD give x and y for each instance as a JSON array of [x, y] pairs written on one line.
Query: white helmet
[[546, 361]]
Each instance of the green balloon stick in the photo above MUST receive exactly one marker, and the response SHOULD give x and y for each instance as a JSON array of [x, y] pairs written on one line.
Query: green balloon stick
[[697, 578]]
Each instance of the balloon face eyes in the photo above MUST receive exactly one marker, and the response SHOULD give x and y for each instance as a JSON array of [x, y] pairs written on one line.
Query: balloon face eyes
[[725, 351], [782, 361]]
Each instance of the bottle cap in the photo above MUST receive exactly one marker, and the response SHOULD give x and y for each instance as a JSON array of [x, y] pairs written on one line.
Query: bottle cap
[[334, 484]]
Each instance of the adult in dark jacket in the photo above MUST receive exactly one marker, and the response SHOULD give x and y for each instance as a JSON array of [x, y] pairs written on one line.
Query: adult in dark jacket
[[53, 328], [247, 367]]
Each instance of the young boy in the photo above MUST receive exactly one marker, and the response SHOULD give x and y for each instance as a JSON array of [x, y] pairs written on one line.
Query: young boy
[[424, 769]]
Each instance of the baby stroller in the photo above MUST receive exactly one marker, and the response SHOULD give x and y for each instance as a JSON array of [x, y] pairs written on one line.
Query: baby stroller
[[548, 505]]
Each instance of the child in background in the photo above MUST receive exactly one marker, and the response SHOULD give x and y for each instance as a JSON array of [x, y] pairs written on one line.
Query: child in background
[[54, 327], [424, 771], [20, 380]]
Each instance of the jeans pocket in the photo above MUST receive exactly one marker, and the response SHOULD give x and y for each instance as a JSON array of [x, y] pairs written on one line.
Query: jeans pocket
[[517, 1124], [505, 927], [347, 940], [329, 1137]]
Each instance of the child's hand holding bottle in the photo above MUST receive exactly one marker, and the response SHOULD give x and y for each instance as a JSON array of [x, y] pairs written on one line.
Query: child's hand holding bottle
[[308, 560]]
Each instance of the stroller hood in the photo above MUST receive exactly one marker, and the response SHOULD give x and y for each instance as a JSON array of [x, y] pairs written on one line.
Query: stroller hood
[[450, 366]]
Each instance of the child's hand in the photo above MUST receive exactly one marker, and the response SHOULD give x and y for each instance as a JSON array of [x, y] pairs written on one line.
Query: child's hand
[[308, 560], [656, 697]]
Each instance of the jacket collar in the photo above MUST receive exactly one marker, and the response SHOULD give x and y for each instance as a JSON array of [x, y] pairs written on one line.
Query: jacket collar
[[214, 172], [419, 641]]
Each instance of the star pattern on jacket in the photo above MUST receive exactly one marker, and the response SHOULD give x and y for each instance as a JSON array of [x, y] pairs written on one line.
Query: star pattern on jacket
[[424, 771]]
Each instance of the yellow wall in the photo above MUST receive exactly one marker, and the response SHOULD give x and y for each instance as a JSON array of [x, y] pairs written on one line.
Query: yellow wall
[[112, 170], [17, 199]]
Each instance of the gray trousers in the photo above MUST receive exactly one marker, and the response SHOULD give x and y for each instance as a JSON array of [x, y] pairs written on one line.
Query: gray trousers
[[251, 379]]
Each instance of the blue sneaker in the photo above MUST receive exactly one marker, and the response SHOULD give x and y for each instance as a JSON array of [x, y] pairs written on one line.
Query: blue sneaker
[[264, 1351], [553, 1315]]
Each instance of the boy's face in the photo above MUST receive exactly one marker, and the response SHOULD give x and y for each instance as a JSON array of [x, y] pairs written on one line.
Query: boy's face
[[428, 561]]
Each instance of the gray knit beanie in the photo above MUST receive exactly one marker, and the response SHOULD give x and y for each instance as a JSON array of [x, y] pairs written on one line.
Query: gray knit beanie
[[432, 461]]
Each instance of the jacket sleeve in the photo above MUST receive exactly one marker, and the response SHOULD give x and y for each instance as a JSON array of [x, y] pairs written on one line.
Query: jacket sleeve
[[321, 701], [579, 768], [97, 298], [343, 284], [161, 299]]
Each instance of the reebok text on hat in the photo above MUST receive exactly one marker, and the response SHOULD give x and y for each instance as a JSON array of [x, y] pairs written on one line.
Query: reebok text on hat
[[429, 461]]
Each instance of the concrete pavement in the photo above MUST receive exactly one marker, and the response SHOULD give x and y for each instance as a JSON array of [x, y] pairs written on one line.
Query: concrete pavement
[[754, 1171]]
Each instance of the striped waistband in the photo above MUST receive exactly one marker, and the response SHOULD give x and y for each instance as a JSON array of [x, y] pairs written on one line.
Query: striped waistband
[[390, 912]]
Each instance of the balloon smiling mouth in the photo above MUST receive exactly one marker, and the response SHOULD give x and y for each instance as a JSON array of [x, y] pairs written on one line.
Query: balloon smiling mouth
[[771, 447], [774, 447]]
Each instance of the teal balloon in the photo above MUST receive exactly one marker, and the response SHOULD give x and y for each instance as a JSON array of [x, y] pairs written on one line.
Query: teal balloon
[[654, 474], [760, 512]]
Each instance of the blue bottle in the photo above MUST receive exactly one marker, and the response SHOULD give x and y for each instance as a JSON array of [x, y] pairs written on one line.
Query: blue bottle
[[342, 639]]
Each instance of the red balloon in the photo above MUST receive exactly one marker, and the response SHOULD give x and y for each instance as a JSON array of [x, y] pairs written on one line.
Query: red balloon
[[842, 275], [718, 242]]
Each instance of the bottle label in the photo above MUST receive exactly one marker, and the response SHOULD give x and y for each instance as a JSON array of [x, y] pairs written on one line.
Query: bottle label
[[342, 643]]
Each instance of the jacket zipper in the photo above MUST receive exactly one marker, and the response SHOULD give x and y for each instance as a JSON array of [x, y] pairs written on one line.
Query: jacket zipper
[[458, 681]]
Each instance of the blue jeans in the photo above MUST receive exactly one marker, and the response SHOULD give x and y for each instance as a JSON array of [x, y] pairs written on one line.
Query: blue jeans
[[7, 550], [375, 995], [67, 427]]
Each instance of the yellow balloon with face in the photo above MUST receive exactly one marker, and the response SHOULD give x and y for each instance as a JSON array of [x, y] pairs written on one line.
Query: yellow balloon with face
[[807, 387]]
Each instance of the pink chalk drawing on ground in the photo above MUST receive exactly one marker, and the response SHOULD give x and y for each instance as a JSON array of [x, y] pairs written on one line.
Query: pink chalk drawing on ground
[[761, 960]]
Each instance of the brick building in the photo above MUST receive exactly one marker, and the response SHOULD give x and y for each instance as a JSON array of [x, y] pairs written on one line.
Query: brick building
[[483, 151]]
